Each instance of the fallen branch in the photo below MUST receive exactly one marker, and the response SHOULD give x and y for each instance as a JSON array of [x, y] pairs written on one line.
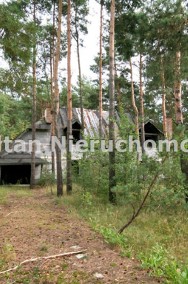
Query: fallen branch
[[135, 214], [41, 258], [10, 214]]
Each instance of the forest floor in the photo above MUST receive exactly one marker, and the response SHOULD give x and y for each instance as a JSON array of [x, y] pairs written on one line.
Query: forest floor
[[33, 224]]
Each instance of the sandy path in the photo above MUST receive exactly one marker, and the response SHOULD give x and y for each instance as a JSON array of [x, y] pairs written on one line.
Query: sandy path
[[35, 226]]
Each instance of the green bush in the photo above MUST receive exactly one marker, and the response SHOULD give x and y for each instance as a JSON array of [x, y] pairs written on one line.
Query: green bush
[[47, 179]]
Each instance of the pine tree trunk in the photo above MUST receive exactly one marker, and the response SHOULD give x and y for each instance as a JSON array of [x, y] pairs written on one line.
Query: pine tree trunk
[[163, 98], [179, 117], [56, 103], [69, 102], [134, 102], [177, 89], [34, 94], [118, 89], [79, 73], [52, 87], [112, 180], [142, 105], [100, 72], [52, 107]]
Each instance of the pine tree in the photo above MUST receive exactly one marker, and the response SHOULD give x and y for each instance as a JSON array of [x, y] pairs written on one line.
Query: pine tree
[[56, 102], [69, 101], [79, 26], [112, 175], [100, 70]]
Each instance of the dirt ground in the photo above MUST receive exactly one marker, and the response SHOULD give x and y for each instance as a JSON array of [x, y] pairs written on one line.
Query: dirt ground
[[35, 226]]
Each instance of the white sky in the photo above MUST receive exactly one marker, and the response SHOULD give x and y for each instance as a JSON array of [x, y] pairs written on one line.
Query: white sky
[[91, 43]]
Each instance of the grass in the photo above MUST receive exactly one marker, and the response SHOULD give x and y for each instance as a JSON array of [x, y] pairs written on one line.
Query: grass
[[3, 196], [19, 191], [158, 238]]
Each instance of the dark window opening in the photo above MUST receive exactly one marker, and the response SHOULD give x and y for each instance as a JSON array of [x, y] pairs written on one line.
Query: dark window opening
[[76, 132], [151, 132], [19, 174], [151, 137]]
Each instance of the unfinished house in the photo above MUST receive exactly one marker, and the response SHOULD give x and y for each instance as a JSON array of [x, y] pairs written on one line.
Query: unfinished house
[[15, 166]]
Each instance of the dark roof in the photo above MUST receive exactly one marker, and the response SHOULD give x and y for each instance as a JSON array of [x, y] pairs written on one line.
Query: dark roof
[[91, 120], [18, 159], [150, 125]]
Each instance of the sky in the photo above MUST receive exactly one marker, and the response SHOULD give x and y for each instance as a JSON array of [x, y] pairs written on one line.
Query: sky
[[91, 43]]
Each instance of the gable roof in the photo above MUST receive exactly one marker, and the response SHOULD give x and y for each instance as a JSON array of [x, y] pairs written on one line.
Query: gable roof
[[91, 120], [150, 125]]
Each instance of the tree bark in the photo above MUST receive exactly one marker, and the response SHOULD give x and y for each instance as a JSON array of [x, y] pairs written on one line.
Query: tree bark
[[163, 98], [79, 71], [179, 117], [177, 90], [100, 72], [69, 102], [142, 105], [56, 103], [52, 87], [34, 103], [118, 89], [134, 102], [112, 180]]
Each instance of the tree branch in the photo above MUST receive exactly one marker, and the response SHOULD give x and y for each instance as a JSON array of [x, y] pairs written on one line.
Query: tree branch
[[41, 258], [143, 201]]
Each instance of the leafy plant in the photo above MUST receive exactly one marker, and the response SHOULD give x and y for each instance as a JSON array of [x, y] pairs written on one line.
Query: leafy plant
[[112, 237], [161, 264]]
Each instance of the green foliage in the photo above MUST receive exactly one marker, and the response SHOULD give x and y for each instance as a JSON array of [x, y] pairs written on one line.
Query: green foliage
[[162, 264], [133, 178], [111, 237], [15, 34], [93, 170], [13, 117], [87, 199], [47, 179]]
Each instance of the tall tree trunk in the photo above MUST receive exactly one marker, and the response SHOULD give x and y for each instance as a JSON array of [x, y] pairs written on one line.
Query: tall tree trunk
[[177, 89], [142, 105], [79, 71], [163, 98], [179, 117], [52, 87], [79, 68], [134, 102], [69, 101], [112, 180], [52, 107], [56, 103], [118, 89], [100, 71], [34, 102]]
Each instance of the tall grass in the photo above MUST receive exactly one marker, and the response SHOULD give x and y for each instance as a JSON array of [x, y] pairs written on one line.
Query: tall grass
[[158, 238]]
